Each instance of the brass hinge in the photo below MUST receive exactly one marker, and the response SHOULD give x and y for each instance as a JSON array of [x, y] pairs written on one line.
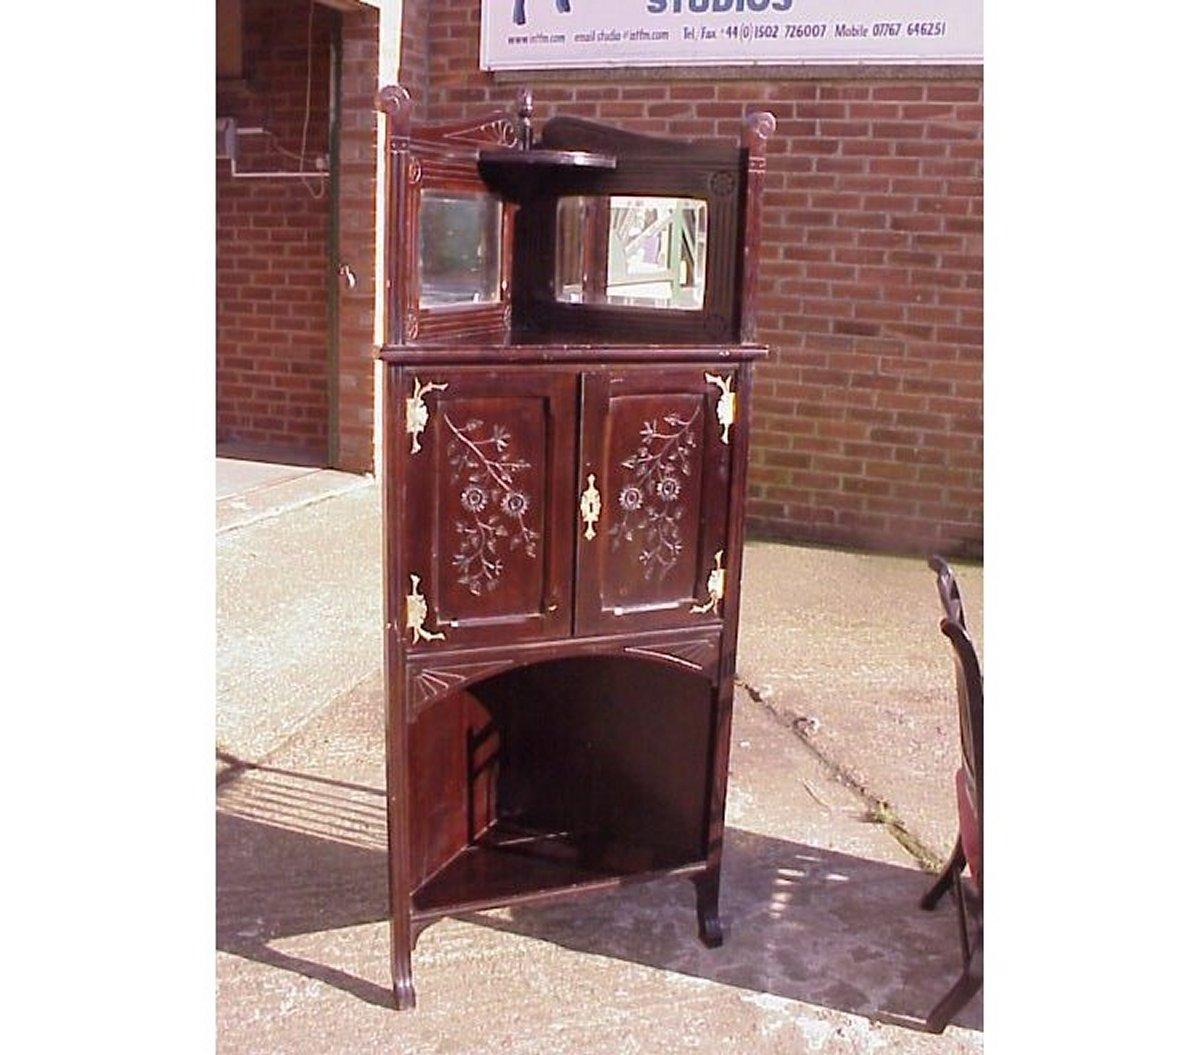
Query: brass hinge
[[416, 611], [416, 413], [726, 405], [716, 587]]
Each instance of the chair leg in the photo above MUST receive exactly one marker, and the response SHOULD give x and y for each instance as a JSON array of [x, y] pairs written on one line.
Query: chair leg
[[960, 993], [957, 862], [971, 979]]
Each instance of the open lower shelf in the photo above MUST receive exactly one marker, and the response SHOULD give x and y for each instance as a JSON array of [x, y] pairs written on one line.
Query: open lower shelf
[[508, 864]]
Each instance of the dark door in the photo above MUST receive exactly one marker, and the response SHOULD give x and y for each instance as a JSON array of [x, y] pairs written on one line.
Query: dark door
[[488, 504], [657, 459]]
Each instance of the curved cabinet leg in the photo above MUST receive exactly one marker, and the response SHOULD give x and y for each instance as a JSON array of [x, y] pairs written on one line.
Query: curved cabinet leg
[[419, 928], [402, 981], [708, 892], [399, 885]]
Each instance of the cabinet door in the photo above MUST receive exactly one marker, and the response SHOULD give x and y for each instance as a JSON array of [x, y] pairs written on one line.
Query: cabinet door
[[657, 458], [488, 503]]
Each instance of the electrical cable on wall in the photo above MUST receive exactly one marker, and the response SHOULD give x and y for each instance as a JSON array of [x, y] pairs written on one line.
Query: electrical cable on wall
[[305, 176], [320, 192]]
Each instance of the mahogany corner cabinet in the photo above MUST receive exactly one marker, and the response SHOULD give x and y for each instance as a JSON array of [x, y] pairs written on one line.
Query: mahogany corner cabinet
[[569, 335]]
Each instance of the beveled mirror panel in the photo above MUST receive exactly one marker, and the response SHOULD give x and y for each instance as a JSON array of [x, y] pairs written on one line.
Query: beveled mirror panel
[[459, 258], [633, 250]]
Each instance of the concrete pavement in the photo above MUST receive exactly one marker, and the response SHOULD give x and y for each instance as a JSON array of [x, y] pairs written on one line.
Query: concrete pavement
[[298, 599], [840, 659], [819, 906], [845, 647], [250, 491]]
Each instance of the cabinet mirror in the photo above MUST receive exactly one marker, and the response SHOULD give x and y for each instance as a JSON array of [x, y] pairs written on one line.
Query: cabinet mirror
[[459, 259], [633, 250]]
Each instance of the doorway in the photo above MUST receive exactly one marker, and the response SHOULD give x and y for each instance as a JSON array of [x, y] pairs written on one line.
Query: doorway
[[294, 271]]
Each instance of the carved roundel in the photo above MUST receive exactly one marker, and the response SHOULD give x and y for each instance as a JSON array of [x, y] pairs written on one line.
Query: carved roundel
[[414, 171], [411, 326], [721, 183]]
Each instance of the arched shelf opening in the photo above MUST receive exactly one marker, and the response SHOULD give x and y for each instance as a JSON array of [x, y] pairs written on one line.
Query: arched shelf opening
[[572, 772]]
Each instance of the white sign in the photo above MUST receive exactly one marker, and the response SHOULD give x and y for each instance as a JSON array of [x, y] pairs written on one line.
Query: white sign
[[551, 34]]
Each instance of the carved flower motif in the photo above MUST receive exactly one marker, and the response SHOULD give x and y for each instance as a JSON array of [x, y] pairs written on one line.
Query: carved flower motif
[[720, 183], [630, 498], [474, 498], [515, 503], [669, 488]]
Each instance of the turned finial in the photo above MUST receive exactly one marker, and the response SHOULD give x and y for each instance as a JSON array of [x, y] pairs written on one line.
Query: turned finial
[[756, 128], [394, 101], [524, 118]]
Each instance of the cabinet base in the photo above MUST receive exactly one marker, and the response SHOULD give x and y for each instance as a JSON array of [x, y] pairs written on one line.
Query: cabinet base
[[493, 872]]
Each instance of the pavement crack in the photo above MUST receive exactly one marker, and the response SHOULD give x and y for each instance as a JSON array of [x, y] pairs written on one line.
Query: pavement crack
[[877, 811], [290, 506]]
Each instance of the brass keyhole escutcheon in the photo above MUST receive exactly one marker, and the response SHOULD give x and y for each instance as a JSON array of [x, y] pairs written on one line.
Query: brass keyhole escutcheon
[[589, 507]]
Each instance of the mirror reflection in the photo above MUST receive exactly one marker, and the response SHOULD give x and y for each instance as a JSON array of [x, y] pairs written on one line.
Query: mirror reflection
[[459, 260], [635, 250]]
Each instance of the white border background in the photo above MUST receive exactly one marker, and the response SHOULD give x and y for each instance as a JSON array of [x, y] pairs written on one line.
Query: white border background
[[109, 576]]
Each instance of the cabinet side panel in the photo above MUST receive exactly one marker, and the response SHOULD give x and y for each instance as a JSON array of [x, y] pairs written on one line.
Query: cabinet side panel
[[453, 752], [438, 769]]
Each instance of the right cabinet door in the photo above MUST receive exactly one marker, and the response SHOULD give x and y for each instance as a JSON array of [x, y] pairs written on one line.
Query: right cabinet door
[[655, 458]]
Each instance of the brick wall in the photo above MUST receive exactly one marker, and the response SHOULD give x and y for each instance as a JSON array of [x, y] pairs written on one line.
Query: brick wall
[[414, 52], [867, 420], [352, 446], [272, 320]]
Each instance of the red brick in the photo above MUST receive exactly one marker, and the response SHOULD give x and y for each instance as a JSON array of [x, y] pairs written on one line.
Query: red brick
[[846, 244]]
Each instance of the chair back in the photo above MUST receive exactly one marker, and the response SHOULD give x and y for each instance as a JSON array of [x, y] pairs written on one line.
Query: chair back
[[969, 682], [968, 679], [948, 591]]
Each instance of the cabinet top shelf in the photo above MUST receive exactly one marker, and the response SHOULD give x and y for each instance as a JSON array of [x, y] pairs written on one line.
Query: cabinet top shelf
[[567, 353], [538, 157], [521, 174]]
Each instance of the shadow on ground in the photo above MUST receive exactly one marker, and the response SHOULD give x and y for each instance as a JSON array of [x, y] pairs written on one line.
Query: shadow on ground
[[299, 854]]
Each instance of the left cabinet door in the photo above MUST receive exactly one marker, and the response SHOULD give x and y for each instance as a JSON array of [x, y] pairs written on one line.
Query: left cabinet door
[[489, 461]]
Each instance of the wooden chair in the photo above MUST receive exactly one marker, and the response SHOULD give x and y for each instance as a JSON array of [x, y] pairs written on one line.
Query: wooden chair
[[968, 848], [948, 591]]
